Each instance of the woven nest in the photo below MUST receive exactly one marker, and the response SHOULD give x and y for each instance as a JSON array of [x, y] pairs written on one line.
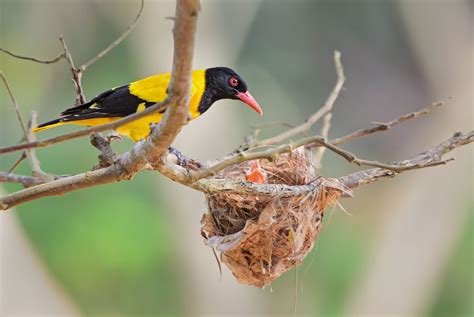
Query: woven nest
[[262, 237]]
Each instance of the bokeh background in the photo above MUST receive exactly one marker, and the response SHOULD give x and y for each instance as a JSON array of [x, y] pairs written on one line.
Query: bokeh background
[[134, 248]]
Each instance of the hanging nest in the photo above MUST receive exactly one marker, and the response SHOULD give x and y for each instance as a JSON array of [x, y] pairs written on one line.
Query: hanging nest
[[261, 237]]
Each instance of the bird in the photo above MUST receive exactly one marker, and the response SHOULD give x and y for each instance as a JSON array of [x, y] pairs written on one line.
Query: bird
[[207, 87]]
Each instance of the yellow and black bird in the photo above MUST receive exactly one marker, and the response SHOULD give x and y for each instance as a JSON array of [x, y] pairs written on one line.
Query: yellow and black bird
[[207, 87]]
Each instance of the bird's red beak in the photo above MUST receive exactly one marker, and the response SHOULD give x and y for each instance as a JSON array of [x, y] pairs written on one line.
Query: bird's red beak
[[250, 100]]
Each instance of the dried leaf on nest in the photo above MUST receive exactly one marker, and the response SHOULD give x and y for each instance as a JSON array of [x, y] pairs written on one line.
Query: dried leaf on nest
[[261, 237]]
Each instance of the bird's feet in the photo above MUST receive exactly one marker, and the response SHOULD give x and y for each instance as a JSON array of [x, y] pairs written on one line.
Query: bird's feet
[[181, 159], [113, 137]]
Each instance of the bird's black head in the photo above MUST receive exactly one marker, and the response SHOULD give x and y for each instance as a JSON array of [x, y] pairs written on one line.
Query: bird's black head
[[224, 83]]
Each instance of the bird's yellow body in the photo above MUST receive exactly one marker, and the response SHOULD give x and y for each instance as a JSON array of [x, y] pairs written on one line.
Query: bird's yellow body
[[207, 86]]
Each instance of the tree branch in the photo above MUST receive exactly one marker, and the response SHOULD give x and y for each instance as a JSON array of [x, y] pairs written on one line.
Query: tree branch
[[432, 157], [75, 73], [27, 181], [386, 126], [28, 135], [316, 155], [15, 104], [33, 59]]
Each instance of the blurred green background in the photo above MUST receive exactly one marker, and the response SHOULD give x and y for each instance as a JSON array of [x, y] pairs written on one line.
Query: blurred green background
[[134, 249]]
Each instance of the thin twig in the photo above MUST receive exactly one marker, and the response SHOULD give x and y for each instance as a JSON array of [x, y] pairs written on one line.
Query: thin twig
[[15, 104], [432, 157], [31, 154], [116, 42], [316, 155], [17, 162], [33, 59], [27, 181], [271, 154], [328, 105], [75, 73], [29, 136], [386, 126]]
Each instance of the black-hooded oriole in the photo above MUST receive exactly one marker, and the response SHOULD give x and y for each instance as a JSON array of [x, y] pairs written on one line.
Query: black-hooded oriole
[[207, 86]]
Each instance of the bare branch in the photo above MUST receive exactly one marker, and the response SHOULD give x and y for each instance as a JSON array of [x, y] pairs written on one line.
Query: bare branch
[[33, 59], [17, 162], [272, 153], [429, 158], [328, 105], [75, 73], [64, 185], [31, 154], [29, 136], [116, 172], [386, 126], [316, 155], [15, 104], [116, 42], [27, 181]]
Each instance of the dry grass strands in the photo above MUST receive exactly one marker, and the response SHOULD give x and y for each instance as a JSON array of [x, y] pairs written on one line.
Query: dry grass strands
[[262, 237]]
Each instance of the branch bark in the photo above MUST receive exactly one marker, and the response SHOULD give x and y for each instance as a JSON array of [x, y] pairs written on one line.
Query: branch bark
[[118, 172], [432, 157]]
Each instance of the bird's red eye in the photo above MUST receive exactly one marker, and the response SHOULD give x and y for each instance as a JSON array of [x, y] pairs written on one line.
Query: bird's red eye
[[234, 82]]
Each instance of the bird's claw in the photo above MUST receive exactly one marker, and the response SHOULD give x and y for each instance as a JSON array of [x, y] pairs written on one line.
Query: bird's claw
[[181, 159], [113, 137]]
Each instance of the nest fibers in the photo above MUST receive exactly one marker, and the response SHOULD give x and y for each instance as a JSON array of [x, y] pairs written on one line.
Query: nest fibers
[[261, 237]]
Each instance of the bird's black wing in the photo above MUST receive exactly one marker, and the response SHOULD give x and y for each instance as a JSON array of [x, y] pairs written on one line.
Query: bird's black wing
[[116, 102]]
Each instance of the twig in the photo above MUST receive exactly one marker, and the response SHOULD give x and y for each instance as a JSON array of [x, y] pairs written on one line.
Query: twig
[[27, 181], [386, 126], [316, 155], [116, 42], [17, 162], [15, 104], [29, 136], [271, 154], [318, 114], [33, 59], [429, 158], [75, 73], [31, 154]]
